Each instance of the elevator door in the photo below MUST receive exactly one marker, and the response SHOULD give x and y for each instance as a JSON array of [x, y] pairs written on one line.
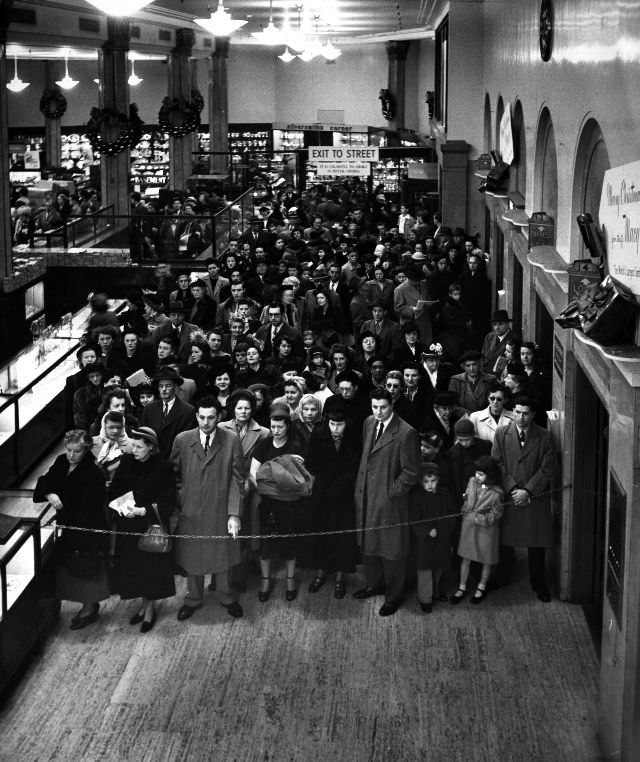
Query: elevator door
[[589, 503]]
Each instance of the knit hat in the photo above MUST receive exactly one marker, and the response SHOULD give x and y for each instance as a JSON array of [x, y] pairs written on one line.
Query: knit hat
[[464, 428]]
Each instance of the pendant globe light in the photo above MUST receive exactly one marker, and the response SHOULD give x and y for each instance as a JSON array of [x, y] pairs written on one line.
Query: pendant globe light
[[220, 23], [287, 56], [134, 79], [119, 7], [16, 85], [270, 35]]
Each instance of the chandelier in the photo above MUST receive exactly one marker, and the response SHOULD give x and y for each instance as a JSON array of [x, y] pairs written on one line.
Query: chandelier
[[119, 7], [220, 23]]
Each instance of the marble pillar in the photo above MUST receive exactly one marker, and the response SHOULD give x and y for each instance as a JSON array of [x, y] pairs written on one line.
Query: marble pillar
[[397, 57], [180, 85], [52, 146], [219, 108]]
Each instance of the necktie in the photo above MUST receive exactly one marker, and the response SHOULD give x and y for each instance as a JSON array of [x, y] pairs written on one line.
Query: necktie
[[522, 434], [377, 328], [207, 443], [165, 411], [379, 431], [497, 341]]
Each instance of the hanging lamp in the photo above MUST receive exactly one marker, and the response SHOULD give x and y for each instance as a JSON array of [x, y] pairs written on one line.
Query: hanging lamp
[[220, 23], [67, 83], [133, 77], [119, 7], [16, 85], [270, 35]]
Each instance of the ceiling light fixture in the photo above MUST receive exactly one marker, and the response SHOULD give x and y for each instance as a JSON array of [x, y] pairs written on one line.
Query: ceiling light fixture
[[330, 52], [287, 56], [66, 83], [270, 35], [296, 40], [119, 7], [16, 85], [133, 78], [220, 24]]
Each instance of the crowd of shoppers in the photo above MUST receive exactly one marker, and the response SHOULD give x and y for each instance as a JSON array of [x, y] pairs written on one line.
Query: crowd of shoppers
[[338, 340]]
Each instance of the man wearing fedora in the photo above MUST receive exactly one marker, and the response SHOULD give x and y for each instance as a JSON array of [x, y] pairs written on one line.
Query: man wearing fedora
[[471, 387], [442, 417], [168, 416], [496, 340], [387, 331], [413, 301], [178, 328], [210, 471], [380, 288]]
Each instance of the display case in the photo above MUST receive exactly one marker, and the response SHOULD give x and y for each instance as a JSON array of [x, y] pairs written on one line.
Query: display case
[[76, 153], [27, 579], [150, 162], [31, 393], [287, 140]]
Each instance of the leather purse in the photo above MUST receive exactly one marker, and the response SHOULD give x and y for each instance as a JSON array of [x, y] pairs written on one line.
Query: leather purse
[[156, 539]]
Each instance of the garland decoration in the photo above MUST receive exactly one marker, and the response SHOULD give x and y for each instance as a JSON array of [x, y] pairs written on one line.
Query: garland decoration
[[197, 101], [53, 104], [109, 117], [178, 117]]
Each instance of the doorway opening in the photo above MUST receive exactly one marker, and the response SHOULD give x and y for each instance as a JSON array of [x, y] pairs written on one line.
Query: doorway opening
[[591, 465]]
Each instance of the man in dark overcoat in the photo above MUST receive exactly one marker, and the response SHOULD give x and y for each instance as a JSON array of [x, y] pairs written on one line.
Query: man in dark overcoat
[[168, 415], [210, 472], [524, 452], [389, 468]]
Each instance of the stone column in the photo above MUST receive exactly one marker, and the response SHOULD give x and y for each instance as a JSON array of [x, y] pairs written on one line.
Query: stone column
[[180, 85], [219, 107], [453, 193], [51, 126], [114, 93], [6, 261], [397, 56]]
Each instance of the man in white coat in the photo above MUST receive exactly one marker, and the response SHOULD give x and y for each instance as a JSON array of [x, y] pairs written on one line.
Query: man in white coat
[[489, 420]]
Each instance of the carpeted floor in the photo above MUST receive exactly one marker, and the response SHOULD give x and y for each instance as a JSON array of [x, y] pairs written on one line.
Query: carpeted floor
[[317, 679]]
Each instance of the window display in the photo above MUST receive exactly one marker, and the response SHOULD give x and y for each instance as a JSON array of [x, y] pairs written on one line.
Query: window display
[[150, 161], [17, 560]]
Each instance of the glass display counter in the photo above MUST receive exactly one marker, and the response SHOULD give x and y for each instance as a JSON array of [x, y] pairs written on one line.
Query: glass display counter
[[31, 393]]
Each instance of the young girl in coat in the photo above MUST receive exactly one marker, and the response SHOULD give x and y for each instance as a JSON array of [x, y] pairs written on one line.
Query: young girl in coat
[[479, 537], [431, 538]]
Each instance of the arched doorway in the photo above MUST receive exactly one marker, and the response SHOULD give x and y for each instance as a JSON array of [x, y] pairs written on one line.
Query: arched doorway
[[546, 168]]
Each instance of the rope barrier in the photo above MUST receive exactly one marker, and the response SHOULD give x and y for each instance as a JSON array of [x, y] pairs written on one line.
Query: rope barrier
[[297, 535]]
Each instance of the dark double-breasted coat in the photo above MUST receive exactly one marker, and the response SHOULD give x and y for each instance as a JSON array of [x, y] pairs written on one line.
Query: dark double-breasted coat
[[387, 472], [530, 467], [210, 489]]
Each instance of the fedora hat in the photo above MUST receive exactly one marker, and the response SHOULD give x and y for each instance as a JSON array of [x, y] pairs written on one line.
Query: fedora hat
[[169, 374], [501, 316]]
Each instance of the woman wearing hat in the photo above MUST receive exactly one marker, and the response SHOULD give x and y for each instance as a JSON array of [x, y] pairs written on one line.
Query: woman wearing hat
[[277, 516], [479, 535], [74, 487], [333, 457], [411, 348], [137, 573], [87, 398], [453, 329]]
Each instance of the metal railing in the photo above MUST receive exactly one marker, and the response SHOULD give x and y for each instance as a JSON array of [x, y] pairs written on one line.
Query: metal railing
[[78, 230]]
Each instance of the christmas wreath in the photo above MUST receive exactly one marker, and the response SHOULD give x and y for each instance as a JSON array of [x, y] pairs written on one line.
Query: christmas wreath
[[109, 118], [197, 101], [53, 104], [178, 117]]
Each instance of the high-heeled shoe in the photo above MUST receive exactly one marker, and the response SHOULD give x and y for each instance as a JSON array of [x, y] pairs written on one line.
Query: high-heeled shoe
[[137, 617], [317, 583], [79, 622], [291, 595], [264, 595]]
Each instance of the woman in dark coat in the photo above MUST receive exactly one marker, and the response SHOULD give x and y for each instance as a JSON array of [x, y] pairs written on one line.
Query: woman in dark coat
[[333, 458], [454, 325], [75, 487], [138, 573]]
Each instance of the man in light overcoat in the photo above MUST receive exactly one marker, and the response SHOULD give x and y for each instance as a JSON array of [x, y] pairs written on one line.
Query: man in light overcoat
[[210, 472], [389, 469]]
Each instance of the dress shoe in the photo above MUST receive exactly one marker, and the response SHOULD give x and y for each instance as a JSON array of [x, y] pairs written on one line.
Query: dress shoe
[[291, 595], [340, 590], [387, 609], [479, 596], [264, 595], [543, 594], [147, 624], [79, 622], [186, 612], [234, 609], [137, 617], [317, 583], [458, 596], [426, 608], [366, 592]]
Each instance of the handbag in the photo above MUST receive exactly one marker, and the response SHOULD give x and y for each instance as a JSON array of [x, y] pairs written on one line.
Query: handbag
[[155, 539]]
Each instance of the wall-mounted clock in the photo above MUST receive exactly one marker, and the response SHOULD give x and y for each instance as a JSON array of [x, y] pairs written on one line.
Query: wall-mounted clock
[[546, 29]]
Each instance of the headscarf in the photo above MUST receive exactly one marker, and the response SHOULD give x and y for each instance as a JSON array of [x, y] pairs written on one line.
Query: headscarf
[[111, 450]]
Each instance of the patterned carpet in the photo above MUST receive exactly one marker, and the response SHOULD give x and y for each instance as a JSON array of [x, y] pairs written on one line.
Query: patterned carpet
[[317, 679]]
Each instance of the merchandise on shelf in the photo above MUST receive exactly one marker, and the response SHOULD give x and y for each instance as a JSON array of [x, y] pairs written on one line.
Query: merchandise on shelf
[[76, 154], [150, 160]]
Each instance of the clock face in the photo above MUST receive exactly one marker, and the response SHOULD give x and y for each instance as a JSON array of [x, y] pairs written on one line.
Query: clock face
[[546, 29]]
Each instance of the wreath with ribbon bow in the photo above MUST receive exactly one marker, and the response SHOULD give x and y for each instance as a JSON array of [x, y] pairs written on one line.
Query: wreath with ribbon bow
[[109, 117], [179, 117], [53, 104]]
